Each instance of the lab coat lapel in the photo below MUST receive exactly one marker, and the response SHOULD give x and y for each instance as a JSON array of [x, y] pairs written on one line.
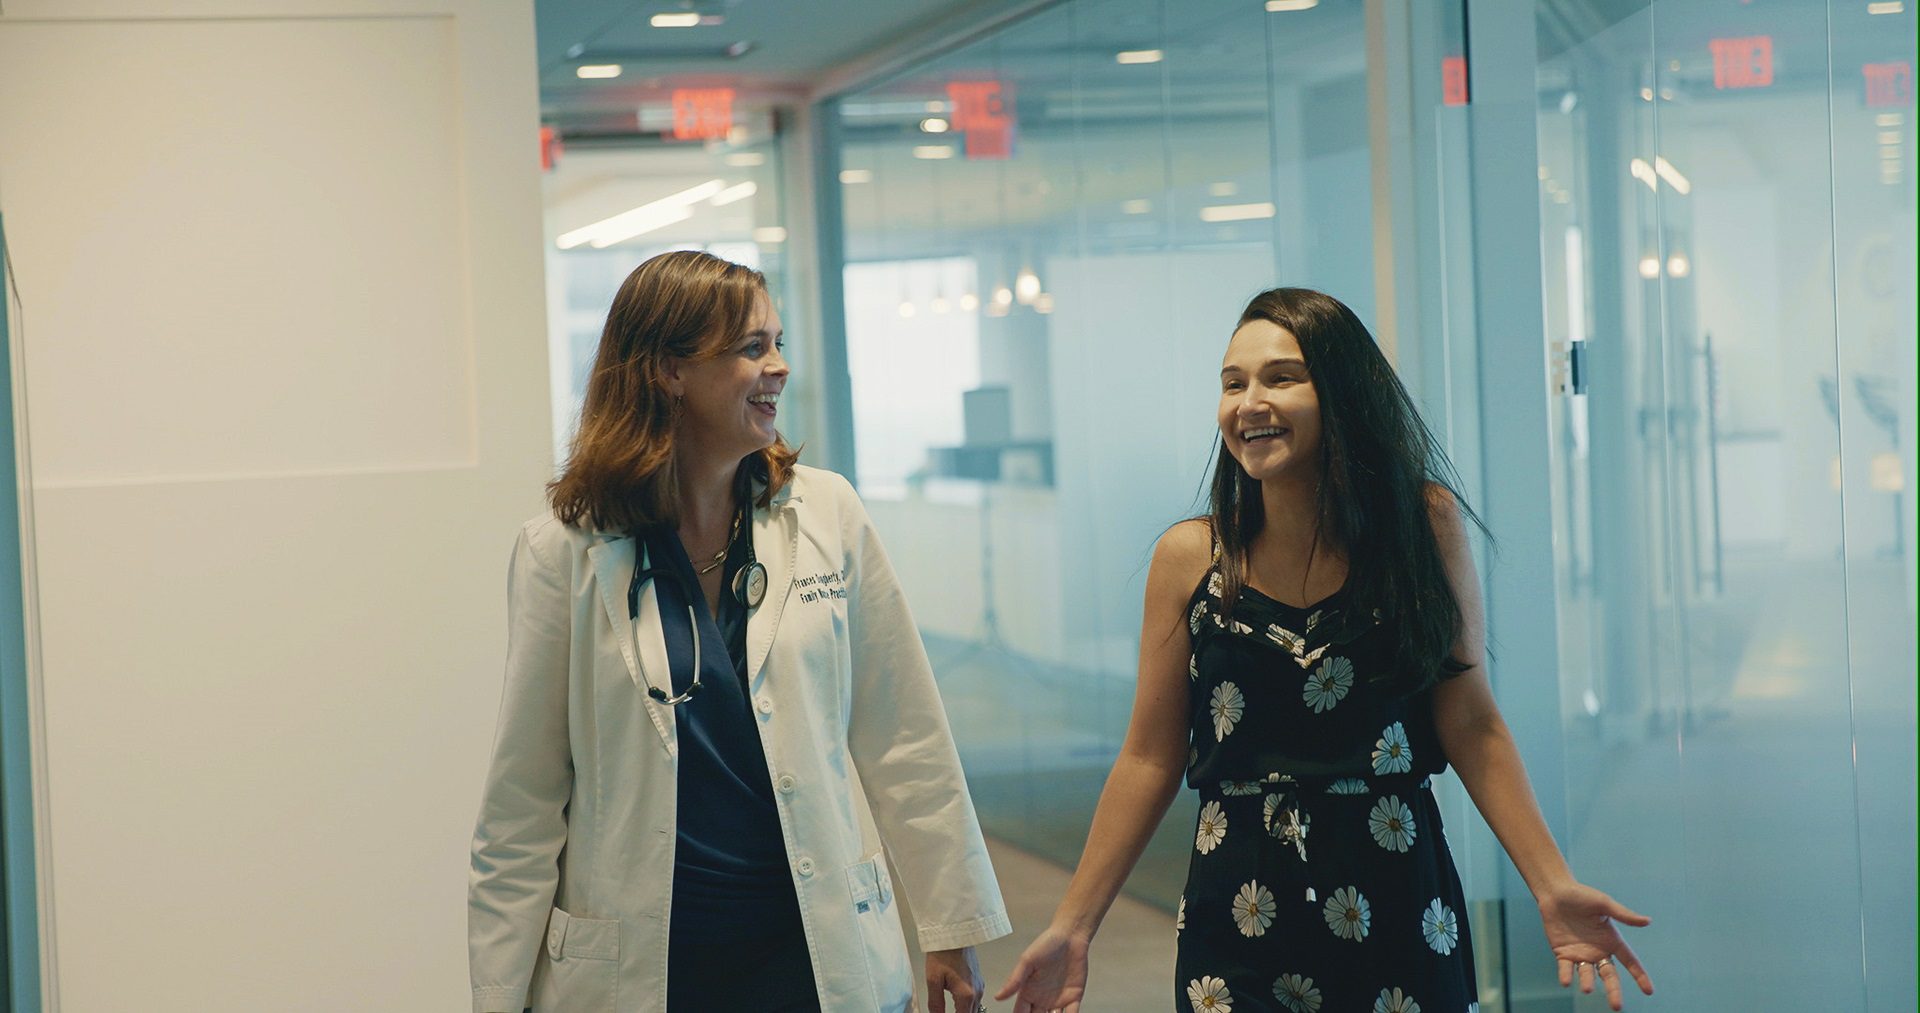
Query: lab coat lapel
[[776, 540], [613, 566]]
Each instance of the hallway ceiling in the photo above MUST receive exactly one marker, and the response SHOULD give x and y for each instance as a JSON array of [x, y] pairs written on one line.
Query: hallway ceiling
[[766, 50]]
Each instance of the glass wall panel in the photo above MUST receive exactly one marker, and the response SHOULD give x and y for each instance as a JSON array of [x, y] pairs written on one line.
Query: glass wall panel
[[1726, 194]]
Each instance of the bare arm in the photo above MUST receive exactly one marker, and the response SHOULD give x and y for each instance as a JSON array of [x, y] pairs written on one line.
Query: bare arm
[[1577, 918], [1145, 776]]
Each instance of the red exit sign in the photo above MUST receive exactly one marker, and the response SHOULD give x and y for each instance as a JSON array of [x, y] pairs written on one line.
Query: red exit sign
[[1453, 80], [983, 112], [1742, 63], [702, 114], [1888, 84]]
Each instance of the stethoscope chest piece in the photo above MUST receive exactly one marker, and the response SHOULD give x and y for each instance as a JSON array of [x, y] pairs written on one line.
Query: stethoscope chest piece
[[750, 584]]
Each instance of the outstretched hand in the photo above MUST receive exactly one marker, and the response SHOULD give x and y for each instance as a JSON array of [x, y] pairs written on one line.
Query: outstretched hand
[[1051, 974], [1579, 922]]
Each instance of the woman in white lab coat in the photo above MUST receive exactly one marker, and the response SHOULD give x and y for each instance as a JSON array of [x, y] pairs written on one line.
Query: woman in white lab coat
[[705, 641]]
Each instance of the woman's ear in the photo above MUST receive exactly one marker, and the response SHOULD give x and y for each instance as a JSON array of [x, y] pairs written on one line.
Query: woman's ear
[[674, 373]]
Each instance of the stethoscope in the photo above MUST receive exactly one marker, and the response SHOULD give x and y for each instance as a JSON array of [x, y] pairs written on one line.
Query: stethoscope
[[749, 589]]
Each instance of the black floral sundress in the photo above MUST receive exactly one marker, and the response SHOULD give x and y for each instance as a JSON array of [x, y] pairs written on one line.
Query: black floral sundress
[[1320, 880]]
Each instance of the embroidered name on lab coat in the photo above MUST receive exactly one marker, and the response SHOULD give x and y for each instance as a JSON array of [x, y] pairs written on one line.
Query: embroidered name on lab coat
[[822, 586]]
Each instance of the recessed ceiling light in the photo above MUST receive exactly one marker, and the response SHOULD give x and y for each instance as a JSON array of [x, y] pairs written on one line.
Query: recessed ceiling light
[[852, 176], [933, 151], [1236, 212], [1132, 56], [934, 125], [1277, 6], [746, 159], [1894, 7], [770, 234], [689, 19], [597, 71]]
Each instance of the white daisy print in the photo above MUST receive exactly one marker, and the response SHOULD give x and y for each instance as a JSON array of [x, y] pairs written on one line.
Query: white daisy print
[[1306, 660], [1348, 914], [1329, 685], [1297, 994], [1271, 808], [1193, 620], [1227, 706], [1440, 927], [1239, 787], [1312, 621], [1392, 1000], [1391, 753], [1180, 917], [1347, 786], [1253, 910], [1213, 828], [1240, 627], [1214, 584], [1392, 824], [1209, 995], [1289, 641], [1193, 667]]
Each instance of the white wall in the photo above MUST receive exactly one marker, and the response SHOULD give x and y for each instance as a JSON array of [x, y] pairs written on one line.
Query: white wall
[[285, 383]]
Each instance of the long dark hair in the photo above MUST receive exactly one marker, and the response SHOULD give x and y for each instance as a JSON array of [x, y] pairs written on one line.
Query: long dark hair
[[620, 475], [1381, 471]]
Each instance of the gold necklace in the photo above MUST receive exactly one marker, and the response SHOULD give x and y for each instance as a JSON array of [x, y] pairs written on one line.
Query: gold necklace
[[721, 556]]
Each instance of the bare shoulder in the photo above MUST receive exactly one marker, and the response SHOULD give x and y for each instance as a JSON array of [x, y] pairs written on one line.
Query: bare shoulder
[[1182, 556], [1444, 511]]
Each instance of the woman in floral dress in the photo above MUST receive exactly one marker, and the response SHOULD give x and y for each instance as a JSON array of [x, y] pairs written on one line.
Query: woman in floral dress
[[1311, 655]]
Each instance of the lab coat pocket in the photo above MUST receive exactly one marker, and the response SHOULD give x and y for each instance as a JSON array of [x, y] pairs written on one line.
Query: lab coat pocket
[[582, 965], [871, 890]]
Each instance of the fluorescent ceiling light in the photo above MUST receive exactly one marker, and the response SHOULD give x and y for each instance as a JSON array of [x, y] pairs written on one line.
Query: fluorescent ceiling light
[[686, 20], [1889, 119], [1277, 6], [1644, 173], [1893, 7], [1672, 176], [770, 234], [1223, 189], [1236, 212], [848, 177], [641, 220], [746, 159], [597, 71], [1131, 56], [1889, 137], [733, 193], [933, 151], [935, 125]]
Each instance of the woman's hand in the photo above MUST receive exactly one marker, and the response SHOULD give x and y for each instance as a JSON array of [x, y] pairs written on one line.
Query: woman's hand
[[1051, 974], [1579, 923], [956, 972]]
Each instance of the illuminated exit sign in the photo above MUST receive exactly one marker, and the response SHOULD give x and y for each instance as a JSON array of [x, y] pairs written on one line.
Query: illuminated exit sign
[[983, 113], [1742, 63], [702, 114], [1888, 84]]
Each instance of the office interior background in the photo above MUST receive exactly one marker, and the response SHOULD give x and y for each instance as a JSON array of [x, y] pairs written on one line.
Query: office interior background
[[299, 295]]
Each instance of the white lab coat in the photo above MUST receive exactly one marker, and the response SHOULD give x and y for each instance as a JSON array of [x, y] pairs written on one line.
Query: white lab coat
[[571, 890]]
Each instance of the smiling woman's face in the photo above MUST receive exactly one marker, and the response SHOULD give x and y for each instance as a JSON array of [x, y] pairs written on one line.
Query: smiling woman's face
[[1269, 410], [731, 400]]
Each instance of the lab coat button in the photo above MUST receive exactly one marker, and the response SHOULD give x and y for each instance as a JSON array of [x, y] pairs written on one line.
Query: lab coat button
[[805, 865], [766, 705], [786, 783]]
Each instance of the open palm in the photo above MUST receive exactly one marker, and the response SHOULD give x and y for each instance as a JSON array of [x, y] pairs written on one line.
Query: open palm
[[1579, 923], [1051, 974]]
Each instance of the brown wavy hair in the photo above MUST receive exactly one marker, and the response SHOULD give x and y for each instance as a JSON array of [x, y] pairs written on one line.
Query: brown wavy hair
[[620, 474]]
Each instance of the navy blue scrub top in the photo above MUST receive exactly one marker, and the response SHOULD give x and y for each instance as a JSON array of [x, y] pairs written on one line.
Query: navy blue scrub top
[[730, 864]]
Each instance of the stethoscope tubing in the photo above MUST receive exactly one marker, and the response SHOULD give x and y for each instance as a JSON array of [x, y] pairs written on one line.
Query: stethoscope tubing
[[749, 589]]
